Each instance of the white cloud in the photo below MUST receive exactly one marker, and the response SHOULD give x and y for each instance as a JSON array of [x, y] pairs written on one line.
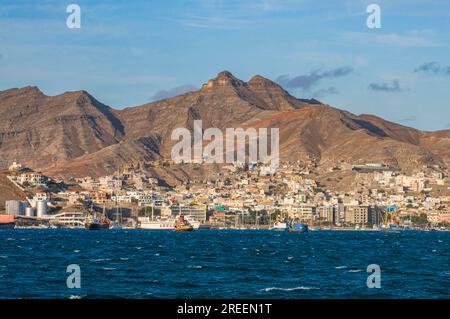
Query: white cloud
[[409, 39]]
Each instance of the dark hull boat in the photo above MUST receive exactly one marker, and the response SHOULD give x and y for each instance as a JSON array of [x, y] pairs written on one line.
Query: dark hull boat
[[97, 226], [7, 222], [7, 225]]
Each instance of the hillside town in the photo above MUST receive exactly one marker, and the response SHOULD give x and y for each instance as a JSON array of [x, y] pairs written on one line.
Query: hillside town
[[240, 196]]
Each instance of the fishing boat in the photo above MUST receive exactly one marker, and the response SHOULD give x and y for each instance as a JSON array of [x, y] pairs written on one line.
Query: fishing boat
[[94, 222]]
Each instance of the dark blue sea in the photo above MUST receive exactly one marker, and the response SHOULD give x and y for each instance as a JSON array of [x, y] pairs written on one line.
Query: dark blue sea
[[223, 264]]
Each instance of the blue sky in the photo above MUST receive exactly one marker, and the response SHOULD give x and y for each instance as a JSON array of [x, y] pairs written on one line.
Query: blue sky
[[130, 52]]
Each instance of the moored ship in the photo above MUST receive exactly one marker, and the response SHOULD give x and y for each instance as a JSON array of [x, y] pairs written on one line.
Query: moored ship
[[183, 225], [280, 226], [7, 222], [165, 224], [157, 224], [97, 222], [298, 228]]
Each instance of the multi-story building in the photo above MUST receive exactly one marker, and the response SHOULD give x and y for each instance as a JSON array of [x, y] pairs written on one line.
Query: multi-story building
[[15, 207], [197, 212], [357, 215], [110, 183], [31, 178]]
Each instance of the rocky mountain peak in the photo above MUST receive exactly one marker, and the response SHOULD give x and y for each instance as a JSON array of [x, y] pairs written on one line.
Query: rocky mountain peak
[[260, 81], [224, 79], [27, 91]]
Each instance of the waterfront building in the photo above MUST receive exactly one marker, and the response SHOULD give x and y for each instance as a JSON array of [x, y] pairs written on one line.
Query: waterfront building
[[15, 207], [69, 219], [327, 213], [357, 215], [305, 213], [198, 212]]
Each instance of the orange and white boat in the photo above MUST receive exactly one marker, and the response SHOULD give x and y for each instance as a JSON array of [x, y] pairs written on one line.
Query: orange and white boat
[[7, 222]]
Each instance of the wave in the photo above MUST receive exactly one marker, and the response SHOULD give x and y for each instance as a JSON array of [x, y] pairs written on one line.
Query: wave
[[355, 270], [195, 267], [289, 289], [340, 267], [100, 260]]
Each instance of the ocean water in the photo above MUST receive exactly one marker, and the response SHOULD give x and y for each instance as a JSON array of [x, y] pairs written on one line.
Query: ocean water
[[223, 264]]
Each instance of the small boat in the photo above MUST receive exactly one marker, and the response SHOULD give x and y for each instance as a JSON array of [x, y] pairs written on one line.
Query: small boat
[[7, 222], [117, 223], [298, 228], [394, 227], [194, 223], [280, 226], [183, 225], [184, 228], [98, 222]]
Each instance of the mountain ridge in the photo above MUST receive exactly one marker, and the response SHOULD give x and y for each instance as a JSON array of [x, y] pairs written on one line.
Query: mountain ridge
[[74, 134]]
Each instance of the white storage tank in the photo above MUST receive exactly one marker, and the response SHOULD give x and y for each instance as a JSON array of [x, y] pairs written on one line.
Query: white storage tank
[[29, 212], [41, 208]]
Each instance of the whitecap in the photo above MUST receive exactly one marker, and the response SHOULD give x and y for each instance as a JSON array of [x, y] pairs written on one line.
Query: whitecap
[[288, 289], [355, 270], [123, 258], [290, 257], [100, 259], [157, 254], [4, 257], [340, 267], [76, 251], [75, 297], [138, 248], [108, 268], [196, 267]]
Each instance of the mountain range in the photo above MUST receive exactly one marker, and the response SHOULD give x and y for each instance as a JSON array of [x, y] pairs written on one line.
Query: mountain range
[[73, 134]]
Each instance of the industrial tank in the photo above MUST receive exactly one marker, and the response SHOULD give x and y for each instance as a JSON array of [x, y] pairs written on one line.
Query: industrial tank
[[41, 208], [29, 212]]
